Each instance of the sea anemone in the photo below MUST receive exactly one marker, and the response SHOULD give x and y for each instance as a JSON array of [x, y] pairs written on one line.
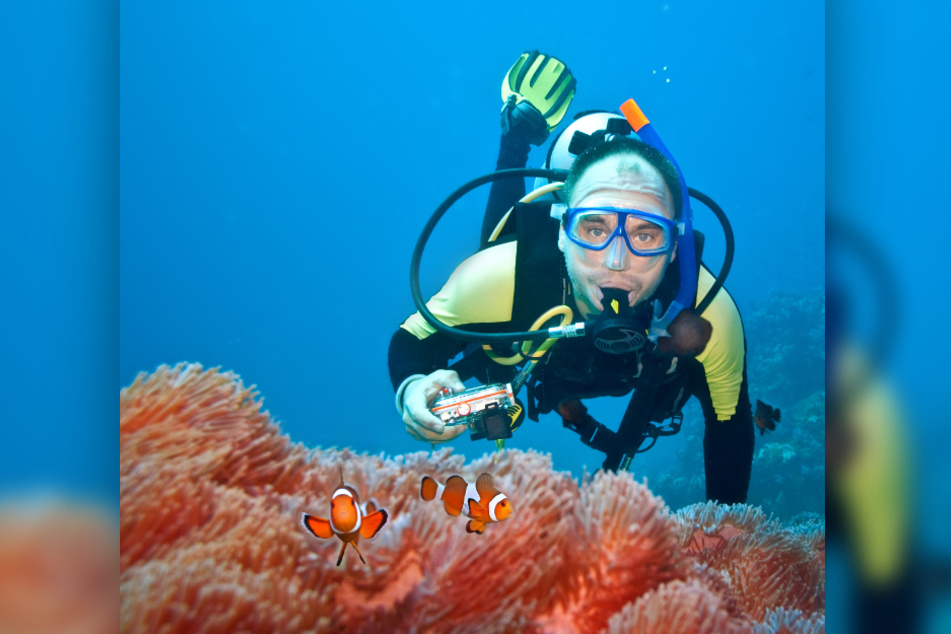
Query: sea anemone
[[57, 569], [769, 565], [679, 607], [211, 493]]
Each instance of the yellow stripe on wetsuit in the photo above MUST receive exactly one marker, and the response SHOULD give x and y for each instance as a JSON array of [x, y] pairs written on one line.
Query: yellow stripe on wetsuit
[[722, 359], [480, 291]]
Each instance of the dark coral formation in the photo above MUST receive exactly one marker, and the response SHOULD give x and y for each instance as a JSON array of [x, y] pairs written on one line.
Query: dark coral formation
[[786, 346], [211, 493]]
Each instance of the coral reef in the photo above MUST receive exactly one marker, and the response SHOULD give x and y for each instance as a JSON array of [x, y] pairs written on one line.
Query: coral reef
[[210, 542], [786, 346], [786, 367]]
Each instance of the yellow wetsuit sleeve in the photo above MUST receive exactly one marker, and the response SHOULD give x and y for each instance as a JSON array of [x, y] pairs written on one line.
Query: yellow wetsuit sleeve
[[480, 291], [875, 481], [722, 359]]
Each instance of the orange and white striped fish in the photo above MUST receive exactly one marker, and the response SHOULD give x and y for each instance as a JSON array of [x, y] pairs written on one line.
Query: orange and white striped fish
[[349, 520], [481, 501]]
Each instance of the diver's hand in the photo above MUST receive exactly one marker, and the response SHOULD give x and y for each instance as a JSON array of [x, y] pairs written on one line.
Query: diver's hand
[[523, 120], [419, 397], [536, 93]]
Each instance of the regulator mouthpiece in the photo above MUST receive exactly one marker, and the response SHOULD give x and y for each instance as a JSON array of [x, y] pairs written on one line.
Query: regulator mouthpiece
[[619, 329]]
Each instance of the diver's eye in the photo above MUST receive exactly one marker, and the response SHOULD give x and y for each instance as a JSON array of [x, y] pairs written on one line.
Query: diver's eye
[[648, 239], [594, 229]]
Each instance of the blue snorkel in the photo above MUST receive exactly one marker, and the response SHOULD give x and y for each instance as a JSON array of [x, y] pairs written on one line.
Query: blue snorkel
[[687, 292]]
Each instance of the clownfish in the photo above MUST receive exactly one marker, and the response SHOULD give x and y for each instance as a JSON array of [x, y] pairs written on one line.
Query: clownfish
[[349, 520], [480, 501]]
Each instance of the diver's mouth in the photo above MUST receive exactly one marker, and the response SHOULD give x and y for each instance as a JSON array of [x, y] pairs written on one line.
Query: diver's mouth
[[631, 296]]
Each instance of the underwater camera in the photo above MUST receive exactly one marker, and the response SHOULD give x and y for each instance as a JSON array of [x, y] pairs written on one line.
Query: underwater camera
[[484, 409]]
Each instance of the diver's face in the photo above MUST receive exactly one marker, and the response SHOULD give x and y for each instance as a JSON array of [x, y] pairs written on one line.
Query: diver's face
[[625, 181]]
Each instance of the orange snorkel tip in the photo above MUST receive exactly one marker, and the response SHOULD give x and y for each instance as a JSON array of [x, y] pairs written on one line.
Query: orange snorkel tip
[[634, 115]]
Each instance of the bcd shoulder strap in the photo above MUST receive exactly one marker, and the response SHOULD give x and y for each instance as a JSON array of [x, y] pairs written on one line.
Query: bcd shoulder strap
[[540, 277]]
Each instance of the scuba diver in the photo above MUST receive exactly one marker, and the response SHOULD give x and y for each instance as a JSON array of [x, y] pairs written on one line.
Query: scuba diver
[[597, 248]]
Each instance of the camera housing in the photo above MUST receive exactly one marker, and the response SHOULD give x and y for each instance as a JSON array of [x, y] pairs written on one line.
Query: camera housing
[[483, 409]]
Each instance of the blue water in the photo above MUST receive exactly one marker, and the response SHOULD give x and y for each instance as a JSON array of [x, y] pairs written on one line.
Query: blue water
[[58, 258]]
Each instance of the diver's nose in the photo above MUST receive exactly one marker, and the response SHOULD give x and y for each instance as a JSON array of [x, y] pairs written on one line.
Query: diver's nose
[[615, 256]]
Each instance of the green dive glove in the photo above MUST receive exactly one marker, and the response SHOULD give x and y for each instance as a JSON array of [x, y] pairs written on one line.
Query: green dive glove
[[536, 91]]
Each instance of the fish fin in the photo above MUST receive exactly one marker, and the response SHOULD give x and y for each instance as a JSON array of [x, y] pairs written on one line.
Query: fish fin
[[428, 488], [373, 523], [370, 507], [456, 482], [473, 526], [316, 526], [343, 547], [762, 430], [354, 544], [760, 404], [476, 510], [776, 411], [454, 494], [485, 487]]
